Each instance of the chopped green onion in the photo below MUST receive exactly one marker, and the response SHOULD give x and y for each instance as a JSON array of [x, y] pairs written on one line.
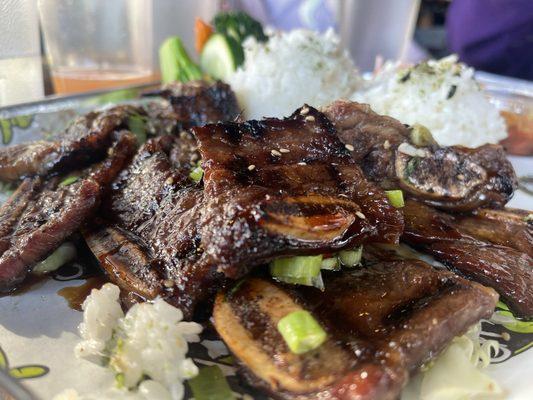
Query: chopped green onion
[[61, 256], [315, 281], [421, 136], [330, 264], [300, 270], [196, 174], [351, 258], [210, 384], [395, 198], [69, 180], [137, 126], [296, 267], [301, 332], [176, 65]]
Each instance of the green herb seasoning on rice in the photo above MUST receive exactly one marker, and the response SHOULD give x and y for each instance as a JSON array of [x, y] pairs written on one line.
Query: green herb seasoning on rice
[[441, 95]]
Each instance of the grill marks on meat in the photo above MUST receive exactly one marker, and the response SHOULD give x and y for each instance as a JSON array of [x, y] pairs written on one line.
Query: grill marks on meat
[[494, 259], [383, 321], [198, 103], [505, 227], [85, 141], [40, 215], [281, 187], [453, 178], [148, 241], [164, 235]]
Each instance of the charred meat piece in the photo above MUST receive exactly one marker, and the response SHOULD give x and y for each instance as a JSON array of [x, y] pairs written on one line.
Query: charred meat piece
[[507, 227], [383, 322], [85, 141], [467, 251], [163, 235], [40, 215], [452, 178], [280, 187], [147, 239], [198, 103]]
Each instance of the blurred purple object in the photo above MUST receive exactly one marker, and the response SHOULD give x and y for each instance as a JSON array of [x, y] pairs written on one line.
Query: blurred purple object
[[493, 35], [291, 14]]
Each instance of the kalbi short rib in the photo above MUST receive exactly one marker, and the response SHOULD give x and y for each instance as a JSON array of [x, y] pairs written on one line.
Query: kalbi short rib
[[164, 235], [495, 260], [85, 141], [383, 322], [453, 178], [148, 241], [280, 187], [40, 215], [198, 103]]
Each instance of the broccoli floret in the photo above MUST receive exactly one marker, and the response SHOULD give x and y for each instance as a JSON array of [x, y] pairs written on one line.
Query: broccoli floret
[[238, 25]]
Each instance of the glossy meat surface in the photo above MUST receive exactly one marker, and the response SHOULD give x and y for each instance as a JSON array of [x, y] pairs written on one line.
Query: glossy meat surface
[[197, 103], [40, 215], [472, 253], [452, 178], [383, 321], [148, 239], [507, 227], [167, 236], [85, 141], [279, 187]]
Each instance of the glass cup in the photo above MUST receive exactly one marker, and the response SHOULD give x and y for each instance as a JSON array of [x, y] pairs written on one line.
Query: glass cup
[[21, 73], [372, 28], [97, 44]]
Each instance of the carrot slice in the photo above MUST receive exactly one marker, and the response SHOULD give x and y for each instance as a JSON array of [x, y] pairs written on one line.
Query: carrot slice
[[202, 31]]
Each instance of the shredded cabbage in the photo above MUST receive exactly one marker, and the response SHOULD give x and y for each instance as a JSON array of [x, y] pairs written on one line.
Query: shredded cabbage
[[457, 374]]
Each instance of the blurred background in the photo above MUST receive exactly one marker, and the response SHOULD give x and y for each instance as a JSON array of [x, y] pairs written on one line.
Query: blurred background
[[58, 47]]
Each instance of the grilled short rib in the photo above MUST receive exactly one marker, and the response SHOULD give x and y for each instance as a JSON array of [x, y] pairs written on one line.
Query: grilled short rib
[[41, 213], [198, 103], [453, 178], [384, 320], [165, 235], [85, 141], [148, 239], [498, 259], [285, 187]]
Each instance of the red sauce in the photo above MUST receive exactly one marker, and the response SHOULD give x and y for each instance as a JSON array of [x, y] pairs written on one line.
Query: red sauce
[[520, 129]]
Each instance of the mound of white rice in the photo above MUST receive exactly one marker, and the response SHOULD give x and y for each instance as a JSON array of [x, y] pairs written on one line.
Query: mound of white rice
[[291, 69], [442, 95]]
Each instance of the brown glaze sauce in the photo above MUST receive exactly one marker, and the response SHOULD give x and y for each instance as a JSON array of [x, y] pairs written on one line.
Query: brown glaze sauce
[[32, 281], [76, 295]]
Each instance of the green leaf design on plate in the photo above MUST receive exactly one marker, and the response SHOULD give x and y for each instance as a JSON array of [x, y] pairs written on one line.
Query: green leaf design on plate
[[28, 371], [227, 360], [6, 126], [24, 371], [7, 130], [22, 121], [516, 325], [3, 360], [115, 96]]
